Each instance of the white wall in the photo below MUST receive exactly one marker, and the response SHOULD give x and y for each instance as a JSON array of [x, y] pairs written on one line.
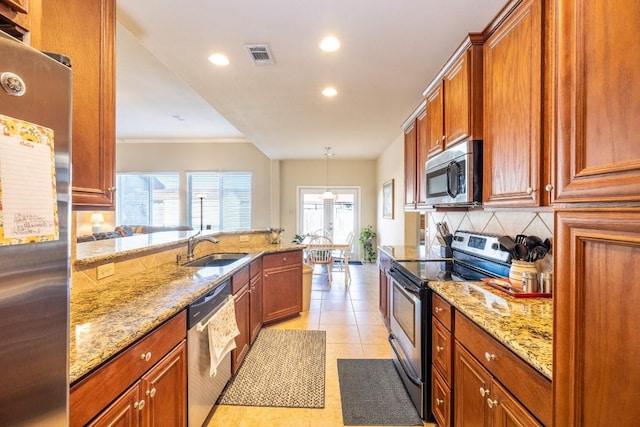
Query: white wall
[[193, 157], [390, 165], [342, 172]]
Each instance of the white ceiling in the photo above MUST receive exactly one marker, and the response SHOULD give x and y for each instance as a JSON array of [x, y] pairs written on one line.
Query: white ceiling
[[390, 51]]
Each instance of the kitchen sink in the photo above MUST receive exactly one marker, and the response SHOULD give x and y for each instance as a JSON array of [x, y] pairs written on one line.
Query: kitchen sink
[[217, 260]]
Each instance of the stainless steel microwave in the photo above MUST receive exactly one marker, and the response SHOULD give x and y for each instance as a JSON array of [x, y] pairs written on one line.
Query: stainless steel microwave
[[454, 176]]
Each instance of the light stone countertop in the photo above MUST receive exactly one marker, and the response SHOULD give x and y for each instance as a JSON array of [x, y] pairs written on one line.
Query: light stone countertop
[[107, 319], [412, 253], [524, 325]]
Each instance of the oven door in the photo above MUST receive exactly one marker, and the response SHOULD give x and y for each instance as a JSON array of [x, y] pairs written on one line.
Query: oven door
[[406, 337]]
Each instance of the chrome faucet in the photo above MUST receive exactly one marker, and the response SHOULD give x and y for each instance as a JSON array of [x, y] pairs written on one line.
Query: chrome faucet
[[194, 240]]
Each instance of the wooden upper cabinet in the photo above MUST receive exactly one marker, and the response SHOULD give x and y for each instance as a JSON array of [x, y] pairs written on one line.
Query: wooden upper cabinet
[[422, 135], [454, 97], [85, 32], [435, 119], [513, 147], [410, 158], [598, 101], [596, 375]]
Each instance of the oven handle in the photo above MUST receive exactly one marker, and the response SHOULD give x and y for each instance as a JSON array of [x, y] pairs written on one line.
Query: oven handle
[[406, 284], [407, 370]]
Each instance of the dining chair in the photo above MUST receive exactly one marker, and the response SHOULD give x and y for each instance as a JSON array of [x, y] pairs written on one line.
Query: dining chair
[[319, 252], [341, 256]]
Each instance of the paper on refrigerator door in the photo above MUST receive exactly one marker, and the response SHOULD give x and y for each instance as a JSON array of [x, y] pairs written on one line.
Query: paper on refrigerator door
[[28, 200]]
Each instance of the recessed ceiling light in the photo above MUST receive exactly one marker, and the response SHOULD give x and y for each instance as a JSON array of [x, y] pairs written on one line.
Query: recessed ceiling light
[[219, 59], [330, 44], [330, 92]]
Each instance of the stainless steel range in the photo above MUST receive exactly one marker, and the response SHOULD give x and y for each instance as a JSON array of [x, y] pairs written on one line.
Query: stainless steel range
[[474, 256]]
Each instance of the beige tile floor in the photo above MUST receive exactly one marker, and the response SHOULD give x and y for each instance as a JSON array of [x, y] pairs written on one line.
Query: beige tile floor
[[355, 329]]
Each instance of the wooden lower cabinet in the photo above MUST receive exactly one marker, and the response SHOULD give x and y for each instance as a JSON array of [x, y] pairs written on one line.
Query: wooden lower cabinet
[[596, 298], [384, 263], [479, 400], [481, 363], [255, 305], [242, 297], [144, 385], [282, 285], [440, 399]]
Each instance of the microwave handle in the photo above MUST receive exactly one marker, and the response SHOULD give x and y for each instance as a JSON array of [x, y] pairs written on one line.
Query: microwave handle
[[453, 192]]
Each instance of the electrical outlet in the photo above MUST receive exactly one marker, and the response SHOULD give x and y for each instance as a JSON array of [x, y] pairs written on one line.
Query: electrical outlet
[[106, 270], [244, 238]]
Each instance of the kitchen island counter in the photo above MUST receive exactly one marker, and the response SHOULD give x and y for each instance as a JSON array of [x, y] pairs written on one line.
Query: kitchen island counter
[[107, 318]]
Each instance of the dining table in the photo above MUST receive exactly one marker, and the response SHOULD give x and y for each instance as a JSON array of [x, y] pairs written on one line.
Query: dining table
[[336, 246]]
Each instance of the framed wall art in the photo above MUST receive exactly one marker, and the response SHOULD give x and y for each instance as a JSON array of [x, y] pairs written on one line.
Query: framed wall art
[[387, 199]]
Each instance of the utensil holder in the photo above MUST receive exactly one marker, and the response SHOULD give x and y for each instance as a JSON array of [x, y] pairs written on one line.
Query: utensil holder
[[516, 270]]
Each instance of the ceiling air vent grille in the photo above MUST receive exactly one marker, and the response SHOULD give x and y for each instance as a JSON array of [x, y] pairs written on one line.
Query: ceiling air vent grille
[[260, 54]]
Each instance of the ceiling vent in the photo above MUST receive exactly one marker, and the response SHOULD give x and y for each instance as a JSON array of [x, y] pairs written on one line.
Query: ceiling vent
[[260, 54]]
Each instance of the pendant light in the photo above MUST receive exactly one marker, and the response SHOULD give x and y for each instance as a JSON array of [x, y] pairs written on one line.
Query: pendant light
[[328, 194]]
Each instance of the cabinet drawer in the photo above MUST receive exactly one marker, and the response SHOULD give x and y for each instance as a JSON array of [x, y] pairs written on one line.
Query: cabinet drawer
[[255, 268], [522, 380], [89, 396], [239, 279], [441, 350], [440, 399], [442, 311], [282, 259]]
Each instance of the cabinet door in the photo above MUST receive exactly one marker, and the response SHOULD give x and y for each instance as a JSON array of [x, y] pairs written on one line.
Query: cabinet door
[[243, 319], [506, 411], [456, 101], [85, 32], [512, 109], [441, 350], [124, 412], [435, 107], [440, 399], [422, 137], [472, 388], [282, 289], [164, 388], [598, 101], [256, 306], [383, 304], [596, 298], [410, 158]]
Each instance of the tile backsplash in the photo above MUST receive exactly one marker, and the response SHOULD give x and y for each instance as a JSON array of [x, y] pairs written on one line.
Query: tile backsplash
[[501, 223]]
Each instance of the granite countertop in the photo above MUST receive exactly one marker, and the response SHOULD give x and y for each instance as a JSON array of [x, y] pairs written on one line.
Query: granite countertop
[[524, 325], [107, 319], [412, 253]]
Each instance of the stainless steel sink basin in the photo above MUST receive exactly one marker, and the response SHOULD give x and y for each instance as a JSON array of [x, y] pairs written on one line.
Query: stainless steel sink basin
[[217, 260]]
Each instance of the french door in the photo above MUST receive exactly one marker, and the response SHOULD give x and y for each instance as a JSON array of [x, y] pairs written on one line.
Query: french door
[[338, 216]]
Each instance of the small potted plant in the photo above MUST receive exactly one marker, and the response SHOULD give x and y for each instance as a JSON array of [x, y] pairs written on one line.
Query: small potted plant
[[367, 241]]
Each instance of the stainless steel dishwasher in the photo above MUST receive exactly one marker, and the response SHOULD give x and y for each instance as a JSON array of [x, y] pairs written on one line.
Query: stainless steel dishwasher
[[204, 389]]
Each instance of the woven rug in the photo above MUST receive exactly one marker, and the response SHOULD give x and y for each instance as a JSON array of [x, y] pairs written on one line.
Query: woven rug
[[372, 394], [284, 368]]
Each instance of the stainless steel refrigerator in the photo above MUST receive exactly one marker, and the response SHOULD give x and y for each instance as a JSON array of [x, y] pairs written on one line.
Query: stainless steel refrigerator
[[34, 247]]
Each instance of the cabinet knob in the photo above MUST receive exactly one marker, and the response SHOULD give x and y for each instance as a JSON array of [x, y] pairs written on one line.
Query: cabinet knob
[[491, 403], [439, 402], [439, 349], [548, 187], [489, 356], [531, 190], [484, 392], [139, 405], [146, 356], [437, 309], [111, 189], [151, 392], [444, 138], [284, 259]]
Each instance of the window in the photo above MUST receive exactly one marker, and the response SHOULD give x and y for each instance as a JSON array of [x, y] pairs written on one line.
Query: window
[[147, 199], [220, 201]]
